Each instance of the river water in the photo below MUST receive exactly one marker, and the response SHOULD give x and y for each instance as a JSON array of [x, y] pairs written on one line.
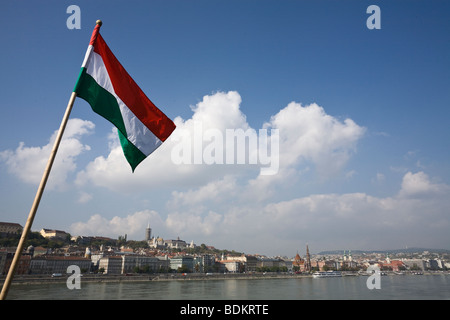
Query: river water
[[405, 287]]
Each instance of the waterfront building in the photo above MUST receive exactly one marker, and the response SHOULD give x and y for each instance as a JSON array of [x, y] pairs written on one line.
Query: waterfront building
[[298, 264], [132, 262], [415, 264], [264, 262], [394, 265], [319, 264], [249, 262], [432, 264], [233, 266], [164, 263], [3, 255], [23, 265], [110, 264], [182, 261], [205, 262], [48, 264]]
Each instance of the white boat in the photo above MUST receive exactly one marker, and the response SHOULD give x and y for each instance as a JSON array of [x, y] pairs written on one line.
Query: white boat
[[326, 274]]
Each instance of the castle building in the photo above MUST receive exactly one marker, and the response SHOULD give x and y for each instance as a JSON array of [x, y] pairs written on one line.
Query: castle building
[[160, 243]]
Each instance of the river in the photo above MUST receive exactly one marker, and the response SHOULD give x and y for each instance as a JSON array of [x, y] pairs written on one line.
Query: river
[[404, 287]]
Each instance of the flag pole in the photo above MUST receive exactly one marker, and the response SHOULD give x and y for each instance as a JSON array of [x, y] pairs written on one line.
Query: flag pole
[[40, 191], [37, 199]]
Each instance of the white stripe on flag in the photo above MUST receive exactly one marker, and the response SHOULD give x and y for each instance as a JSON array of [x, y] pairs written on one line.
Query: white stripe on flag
[[137, 133]]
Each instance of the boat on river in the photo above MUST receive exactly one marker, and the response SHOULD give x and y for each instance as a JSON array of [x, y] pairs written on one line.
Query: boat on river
[[327, 274]]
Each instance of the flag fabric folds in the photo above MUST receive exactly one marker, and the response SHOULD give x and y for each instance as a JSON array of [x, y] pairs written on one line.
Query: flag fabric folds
[[114, 95]]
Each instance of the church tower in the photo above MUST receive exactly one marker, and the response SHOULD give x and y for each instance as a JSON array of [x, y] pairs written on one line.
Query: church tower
[[148, 233], [308, 260]]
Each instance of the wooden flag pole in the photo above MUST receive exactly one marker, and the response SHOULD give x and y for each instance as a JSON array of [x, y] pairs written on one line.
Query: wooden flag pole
[[37, 199], [40, 191]]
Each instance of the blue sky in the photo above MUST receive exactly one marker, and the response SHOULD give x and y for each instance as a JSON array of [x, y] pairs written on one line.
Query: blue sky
[[383, 184]]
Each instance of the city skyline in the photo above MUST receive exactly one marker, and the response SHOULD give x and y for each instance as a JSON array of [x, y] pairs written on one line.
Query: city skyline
[[362, 117], [149, 238]]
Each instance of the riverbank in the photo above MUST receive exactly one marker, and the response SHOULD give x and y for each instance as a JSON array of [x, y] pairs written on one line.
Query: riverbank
[[37, 279]]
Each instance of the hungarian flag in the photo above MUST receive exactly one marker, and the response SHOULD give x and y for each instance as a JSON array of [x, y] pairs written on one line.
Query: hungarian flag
[[114, 95]]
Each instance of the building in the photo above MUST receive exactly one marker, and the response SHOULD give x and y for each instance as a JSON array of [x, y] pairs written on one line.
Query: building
[[249, 262], [319, 265], [394, 265], [432, 264], [415, 264], [7, 229], [175, 244], [156, 243], [53, 234], [23, 266], [204, 263], [160, 243], [164, 263], [264, 262], [49, 264], [182, 261], [3, 256], [298, 264], [110, 264], [133, 263], [232, 265], [129, 263]]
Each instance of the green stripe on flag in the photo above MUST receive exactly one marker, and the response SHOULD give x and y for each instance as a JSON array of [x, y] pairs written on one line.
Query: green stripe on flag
[[101, 101], [105, 104], [133, 155]]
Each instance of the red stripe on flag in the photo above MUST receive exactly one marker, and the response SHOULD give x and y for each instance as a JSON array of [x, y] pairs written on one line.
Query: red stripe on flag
[[94, 34], [130, 93]]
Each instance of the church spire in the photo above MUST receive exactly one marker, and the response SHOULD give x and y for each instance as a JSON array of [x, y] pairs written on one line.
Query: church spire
[[308, 260]]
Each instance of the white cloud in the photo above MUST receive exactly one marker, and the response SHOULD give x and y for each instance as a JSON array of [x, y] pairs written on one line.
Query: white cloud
[[214, 191], [418, 185], [218, 111], [190, 224], [28, 163], [133, 225], [220, 214], [332, 221], [84, 197], [308, 136]]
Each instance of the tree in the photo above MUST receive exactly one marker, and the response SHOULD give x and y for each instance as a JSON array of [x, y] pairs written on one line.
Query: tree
[[183, 269]]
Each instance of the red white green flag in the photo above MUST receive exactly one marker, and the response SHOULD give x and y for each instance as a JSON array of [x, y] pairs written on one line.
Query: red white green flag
[[114, 95]]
